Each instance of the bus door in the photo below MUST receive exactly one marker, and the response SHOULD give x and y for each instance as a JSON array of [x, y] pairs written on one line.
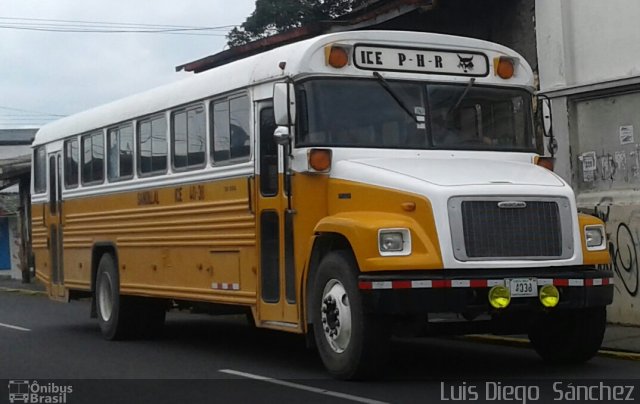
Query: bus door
[[276, 276], [54, 214]]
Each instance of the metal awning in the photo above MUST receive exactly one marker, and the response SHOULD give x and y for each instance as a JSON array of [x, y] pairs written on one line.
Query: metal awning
[[13, 169]]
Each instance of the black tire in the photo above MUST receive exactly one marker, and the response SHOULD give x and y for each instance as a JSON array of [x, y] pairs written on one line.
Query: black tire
[[115, 316], [569, 336], [354, 352]]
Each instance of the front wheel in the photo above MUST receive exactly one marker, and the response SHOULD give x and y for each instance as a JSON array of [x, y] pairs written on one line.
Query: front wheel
[[569, 336], [352, 344]]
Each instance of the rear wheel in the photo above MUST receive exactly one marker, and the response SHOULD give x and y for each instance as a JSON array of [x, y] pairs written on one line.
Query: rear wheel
[[115, 316], [352, 344], [122, 317], [569, 336]]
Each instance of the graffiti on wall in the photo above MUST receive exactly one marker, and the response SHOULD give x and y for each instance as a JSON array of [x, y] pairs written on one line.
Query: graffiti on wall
[[624, 252]]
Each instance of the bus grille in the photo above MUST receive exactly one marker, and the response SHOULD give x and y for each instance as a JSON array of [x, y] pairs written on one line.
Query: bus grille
[[533, 231]]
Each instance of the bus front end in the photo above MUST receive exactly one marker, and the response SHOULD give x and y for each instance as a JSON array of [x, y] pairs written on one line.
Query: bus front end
[[414, 176]]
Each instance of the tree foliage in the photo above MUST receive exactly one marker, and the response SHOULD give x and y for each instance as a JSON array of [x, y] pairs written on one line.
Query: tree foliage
[[275, 16]]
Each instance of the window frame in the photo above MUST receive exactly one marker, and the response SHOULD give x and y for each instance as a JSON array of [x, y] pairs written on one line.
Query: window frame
[[139, 122], [92, 134], [230, 160], [186, 109], [36, 166], [65, 165], [119, 127]]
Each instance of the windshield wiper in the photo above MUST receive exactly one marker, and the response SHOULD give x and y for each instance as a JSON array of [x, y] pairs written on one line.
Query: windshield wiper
[[464, 94], [385, 84]]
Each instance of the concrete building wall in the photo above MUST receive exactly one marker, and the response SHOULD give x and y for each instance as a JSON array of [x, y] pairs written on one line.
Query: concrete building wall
[[589, 65]]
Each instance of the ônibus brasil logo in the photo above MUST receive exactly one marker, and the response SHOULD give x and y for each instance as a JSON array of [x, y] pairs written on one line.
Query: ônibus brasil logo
[[31, 392]]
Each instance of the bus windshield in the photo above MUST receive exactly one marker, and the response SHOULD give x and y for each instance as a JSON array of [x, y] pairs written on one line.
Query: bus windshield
[[413, 115]]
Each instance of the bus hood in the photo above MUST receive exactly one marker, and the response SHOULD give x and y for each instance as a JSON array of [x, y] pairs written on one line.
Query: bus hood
[[452, 172]]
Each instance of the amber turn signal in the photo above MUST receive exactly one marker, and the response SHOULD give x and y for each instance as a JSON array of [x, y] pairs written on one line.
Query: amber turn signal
[[319, 159], [336, 56], [546, 162], [504, 67]]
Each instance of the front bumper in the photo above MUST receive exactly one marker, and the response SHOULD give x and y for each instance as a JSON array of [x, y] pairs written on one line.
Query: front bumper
[[462, 291]]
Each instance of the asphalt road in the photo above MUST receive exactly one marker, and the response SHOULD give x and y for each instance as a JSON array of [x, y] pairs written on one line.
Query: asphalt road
[[222, 359]]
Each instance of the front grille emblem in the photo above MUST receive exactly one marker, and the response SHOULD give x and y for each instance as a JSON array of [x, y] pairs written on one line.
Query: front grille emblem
[[512, 204]]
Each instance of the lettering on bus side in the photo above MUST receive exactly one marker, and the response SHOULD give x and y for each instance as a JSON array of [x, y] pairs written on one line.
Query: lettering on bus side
[[148, 198], [194, 193]]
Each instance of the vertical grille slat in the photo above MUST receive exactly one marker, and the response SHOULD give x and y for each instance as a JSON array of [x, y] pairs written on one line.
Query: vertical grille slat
[[526, 232]]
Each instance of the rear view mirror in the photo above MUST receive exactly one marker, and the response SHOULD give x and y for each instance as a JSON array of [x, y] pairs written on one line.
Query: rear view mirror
[[284, 104]]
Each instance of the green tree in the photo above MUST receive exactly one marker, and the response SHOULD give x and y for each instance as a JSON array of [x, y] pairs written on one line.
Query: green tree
[[275, 16]]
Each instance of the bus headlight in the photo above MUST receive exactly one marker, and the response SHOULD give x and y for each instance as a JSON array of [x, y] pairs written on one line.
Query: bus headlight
[[394, 242], [594, 237]]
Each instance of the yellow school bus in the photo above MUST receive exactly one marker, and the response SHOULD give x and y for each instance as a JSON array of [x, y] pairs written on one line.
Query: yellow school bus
[[348, 187]]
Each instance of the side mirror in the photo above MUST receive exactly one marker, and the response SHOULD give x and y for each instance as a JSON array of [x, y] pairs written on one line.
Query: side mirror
[[284, 104], [546, 114], [282, 135], [545, 103]]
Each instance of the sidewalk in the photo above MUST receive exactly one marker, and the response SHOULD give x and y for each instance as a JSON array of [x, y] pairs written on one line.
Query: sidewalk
[[618, 338], [8, 285]]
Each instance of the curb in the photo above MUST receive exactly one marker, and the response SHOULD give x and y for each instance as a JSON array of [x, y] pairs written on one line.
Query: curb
[[524, 343], [23, 291]]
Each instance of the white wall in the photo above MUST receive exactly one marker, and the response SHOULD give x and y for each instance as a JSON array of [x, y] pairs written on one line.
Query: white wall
[[587, 41], [589, 65]]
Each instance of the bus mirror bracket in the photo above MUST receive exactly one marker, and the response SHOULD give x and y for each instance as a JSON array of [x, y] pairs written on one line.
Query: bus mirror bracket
[[284, 104], [282, 135]]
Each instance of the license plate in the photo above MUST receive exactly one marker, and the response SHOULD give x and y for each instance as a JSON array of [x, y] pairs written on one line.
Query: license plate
[[523, 287]]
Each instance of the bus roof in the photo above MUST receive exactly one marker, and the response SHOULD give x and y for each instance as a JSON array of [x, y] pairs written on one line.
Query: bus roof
[[302, 58]]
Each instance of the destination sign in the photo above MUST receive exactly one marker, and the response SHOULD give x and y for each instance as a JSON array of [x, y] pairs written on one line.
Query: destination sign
[[420, 60]]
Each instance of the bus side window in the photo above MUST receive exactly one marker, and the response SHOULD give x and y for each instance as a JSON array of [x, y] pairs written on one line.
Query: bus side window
[[39, 170], [230, 130], [93, 158], [152, 146], [188, 138], [71, 163], [120, 153]]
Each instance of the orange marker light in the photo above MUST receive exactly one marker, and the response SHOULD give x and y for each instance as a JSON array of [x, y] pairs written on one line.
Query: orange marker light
[[408, 206], [504, 67], [546, 162], [319, 159], [336, 56]]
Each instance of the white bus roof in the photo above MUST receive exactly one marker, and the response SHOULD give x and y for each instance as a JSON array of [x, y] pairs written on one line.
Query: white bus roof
[[302, 58]]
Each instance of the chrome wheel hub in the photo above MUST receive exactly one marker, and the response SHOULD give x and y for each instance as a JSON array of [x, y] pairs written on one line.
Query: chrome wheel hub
[[336, 316], [105, 296]]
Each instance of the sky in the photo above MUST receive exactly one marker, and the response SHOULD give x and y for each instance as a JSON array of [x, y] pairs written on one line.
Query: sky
[[61, 73]]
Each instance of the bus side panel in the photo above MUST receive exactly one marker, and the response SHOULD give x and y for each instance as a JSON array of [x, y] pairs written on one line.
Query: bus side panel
[[39, 243], [189, 241]]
